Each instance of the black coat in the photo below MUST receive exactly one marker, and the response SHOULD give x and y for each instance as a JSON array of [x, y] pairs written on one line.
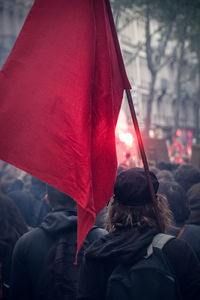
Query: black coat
[[127, 246], [31, 249], [5, 261]]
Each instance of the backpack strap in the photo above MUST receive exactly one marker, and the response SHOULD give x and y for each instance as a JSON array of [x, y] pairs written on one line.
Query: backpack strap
[[181, 231], [158, 241]]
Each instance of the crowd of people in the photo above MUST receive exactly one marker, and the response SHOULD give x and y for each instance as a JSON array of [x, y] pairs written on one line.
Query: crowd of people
[[39, 227]]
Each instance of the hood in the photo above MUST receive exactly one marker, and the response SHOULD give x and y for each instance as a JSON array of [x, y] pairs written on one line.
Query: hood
[[124, 245], [58, 221]]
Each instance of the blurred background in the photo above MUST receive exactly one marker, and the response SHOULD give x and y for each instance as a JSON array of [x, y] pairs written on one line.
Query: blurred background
[[160, 43]]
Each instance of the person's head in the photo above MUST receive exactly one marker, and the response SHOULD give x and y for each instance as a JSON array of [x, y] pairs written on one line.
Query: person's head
[[37, 188], [131, 205], [165, 165], [187, 175], [177, 200], [165, 175], [59, 200], [194, 204], [154, 170], [12, 223]]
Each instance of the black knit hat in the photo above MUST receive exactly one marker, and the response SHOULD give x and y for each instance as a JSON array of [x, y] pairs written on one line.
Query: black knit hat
[[131, 187]]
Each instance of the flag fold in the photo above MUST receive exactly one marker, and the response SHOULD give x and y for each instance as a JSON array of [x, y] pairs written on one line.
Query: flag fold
[[60, 94]]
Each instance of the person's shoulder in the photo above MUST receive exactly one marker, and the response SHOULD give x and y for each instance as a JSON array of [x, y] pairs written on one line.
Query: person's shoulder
[[97, 242], [99, 246], [27, 238], [177, 245], [179, 251], [31, 233], [95, 234]]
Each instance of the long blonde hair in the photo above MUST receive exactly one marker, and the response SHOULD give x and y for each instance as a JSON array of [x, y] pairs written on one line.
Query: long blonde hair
[[120, 215]]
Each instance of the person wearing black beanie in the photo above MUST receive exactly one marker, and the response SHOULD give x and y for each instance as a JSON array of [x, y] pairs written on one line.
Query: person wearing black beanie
[[132, 225]]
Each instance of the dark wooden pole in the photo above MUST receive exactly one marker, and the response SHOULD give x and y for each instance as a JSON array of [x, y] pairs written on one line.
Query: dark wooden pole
[[132, 110], [143, 156]]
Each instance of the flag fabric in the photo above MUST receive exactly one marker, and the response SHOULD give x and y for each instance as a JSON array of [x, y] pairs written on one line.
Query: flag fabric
[[60, 94]]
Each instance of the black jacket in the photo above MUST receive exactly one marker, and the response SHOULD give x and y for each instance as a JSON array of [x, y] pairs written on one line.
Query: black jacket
[[127, 246], [31, 249], [8, 239], [191, 234], [5, 261]]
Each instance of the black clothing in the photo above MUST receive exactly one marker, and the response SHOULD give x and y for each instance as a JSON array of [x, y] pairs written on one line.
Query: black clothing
[[31, 249], [127, 246], [5, 261], [100, 218], [194, 204], [7, 243], [95, 233], [191, 234]]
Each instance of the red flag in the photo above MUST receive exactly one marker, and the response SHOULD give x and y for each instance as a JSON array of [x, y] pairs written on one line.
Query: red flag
[[60, 95]]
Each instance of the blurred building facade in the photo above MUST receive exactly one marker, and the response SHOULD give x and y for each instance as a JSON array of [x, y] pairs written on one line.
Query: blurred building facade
[[131, 33]]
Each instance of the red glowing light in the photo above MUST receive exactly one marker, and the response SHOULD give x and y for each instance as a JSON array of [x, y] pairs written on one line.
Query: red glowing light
[[179, 132], [127, 138]]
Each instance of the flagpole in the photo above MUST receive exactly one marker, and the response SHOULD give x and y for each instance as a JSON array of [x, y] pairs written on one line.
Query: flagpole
[[132, 110], [143, 156]]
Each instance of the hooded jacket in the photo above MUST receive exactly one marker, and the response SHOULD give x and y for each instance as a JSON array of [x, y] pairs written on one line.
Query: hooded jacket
[[126, 246], [31, 249]]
